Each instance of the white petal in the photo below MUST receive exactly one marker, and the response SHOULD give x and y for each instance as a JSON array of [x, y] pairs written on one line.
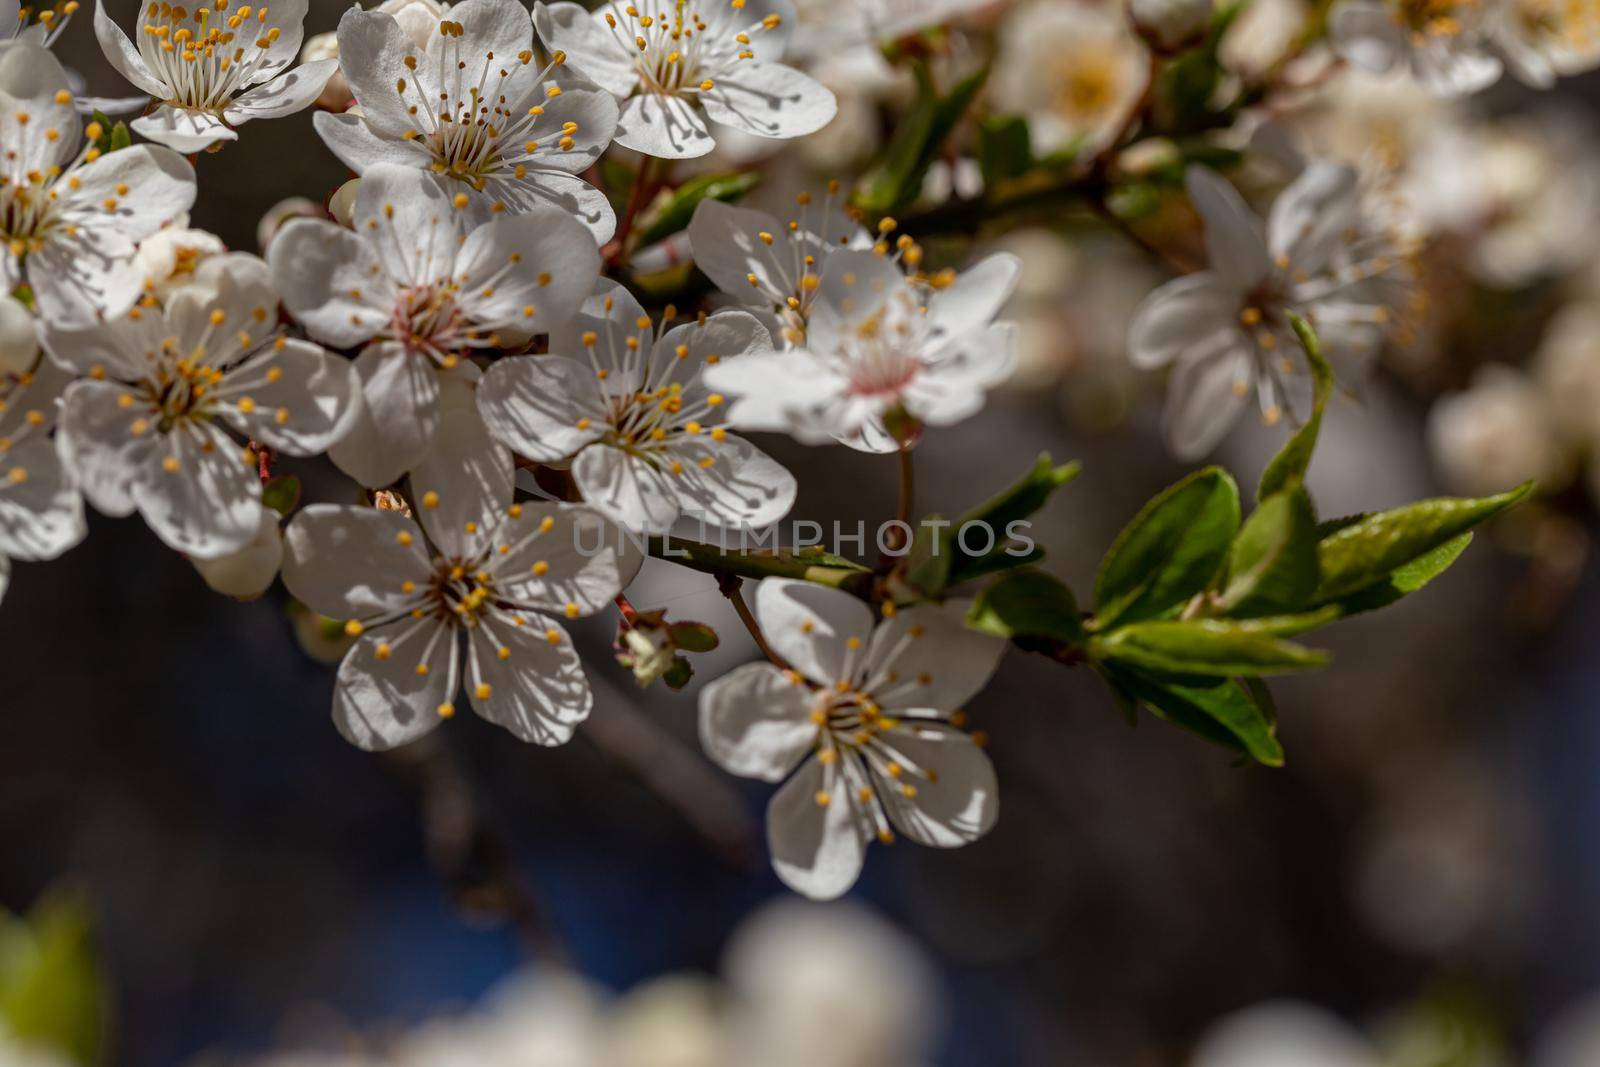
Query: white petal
[[372, 55], [99, 447], [121, 54], [381, 704], [311, 404], [730, 482], [535, 404], [183, 129], [351, 562], [547, 186], [358, 147], [248, 573], [951, 386], [855, 286], [563, 559], [1368, 33], [463, 485], [1204, 399], [209, 504], [811, 627], [937, 663], [1310, 219], [32, 77], [962, 801], [1451, 67], [769, 100], [41, 511], [791, 392], [290, 92], [398, 418], [662, 126], [817, 849], [538, 690], [317, 266], [592, 49], [1234, 239], [1179, 315], [409, 222], [728, 247], [756, 723], [976, 296], [626, 489], [502, 262]]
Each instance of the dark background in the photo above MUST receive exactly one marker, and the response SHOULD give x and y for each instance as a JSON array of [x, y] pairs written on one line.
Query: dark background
[[1436, 832]]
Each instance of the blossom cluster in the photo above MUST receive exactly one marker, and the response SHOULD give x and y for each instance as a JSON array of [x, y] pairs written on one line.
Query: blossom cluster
[[493, 334]]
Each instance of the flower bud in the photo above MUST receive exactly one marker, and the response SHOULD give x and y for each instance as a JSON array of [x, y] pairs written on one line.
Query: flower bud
[[167, 260], [651, 647], [1170, 25], [647, 651], [19, 338], [336, 94], [281, 213], [342, 206]]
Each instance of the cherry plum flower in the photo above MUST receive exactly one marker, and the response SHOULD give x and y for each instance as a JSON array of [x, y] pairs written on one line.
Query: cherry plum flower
[[213, 67], [422, 289], [40, 22], [689, 62], [479, 571], [1226, 330], [879, 342], [865, 726], [1441, 42], [71, 217], [472, 108], [644, 435], [146, 427]]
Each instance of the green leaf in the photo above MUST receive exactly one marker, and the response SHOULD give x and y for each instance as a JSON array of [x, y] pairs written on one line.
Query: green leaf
[[1272, 566], [120, 137], [937, 558], [1288, 468], [693, 636], [1171, 549], [679, 674], [896, 179], [1004, 147], [1218, 647], [1367, 551], [1405, 580], [281, 494], [51, 992], [674, 215], [1028, 603], [1223, 712]]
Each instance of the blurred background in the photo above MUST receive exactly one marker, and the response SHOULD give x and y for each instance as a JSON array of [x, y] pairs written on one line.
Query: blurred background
[[1418, 887]]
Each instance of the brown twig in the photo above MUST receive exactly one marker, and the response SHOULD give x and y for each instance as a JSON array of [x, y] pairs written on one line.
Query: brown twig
[[732, 588]]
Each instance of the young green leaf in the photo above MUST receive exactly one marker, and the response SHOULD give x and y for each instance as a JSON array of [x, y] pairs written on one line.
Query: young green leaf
[[1223, 713], [1004, 147], [1272, 566], [1028, 603], [282, 494], [1288, 468], [896, 179], [1404, 580], [675, 214], [1170, 551], [1216, 647], [1367, 551], [51, 989]]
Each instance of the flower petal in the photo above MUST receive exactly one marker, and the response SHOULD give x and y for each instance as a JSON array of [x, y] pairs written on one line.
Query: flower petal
[[318, 268], [99, 446], [812, 627], [626, 489], [925, 657], [976, 296], [536, 685], [563, 559], [733, 244], [1205, 396], [382, 703], [591, 48], [1310, 219], [662, 126], [398, 418], [41, 511], [463, 484], [352, 562], [1235, 243], [290, 92], [528, 273], [769, 100], [183, 129], [359, 147], [410, 224], [960, 801], [373, 50], [1368, 33], [543, 407], [817, 848], [121, 54], [302, 399], [755, 722], [1178, 315], [730, 483], [197, 492]]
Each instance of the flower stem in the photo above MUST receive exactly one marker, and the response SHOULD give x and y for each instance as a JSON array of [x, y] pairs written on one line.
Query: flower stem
[[722, 562], [732, 588], [616, 250], [902, 514]]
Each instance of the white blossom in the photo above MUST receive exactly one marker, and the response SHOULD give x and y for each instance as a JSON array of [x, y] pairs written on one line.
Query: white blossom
[[879, 342], [213, 67], [1171, 24], [249, 572], [626, 403], [423, 289], [480, 570], [862, 723], [714, 60], [1225, 331], [771, 266], [70, 217], [1441, 42], [1500, 432], [1567, 367], [418, 19], [146, 427], [1074, 68], [19, 336], [471, 107], [168, 259], [1540, 40], [41, 510]]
